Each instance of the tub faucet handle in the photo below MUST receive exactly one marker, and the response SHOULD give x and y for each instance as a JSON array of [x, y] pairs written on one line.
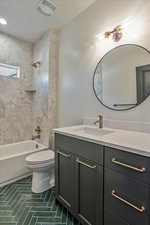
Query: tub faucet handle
[[38, 129]]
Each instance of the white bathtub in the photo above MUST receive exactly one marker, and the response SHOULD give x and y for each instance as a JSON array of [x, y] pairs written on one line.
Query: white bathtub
[[12, 160]]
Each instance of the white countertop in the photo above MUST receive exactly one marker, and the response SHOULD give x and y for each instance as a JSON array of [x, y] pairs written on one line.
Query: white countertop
[[131, 141]]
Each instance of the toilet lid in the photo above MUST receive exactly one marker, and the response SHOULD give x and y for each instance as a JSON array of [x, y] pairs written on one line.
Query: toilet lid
[[41, 157]]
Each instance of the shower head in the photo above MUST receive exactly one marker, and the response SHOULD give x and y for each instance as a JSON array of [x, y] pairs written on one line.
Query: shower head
[[36, 64]]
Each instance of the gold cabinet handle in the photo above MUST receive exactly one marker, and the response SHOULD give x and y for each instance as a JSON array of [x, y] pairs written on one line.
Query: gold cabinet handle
[[141, 170], [142, 209], [64, 154], [85, 164]]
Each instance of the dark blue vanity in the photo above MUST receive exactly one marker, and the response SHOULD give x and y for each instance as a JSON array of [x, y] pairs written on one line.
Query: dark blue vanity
[[101, 185]]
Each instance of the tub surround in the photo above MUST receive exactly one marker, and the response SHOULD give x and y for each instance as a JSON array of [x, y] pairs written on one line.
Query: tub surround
[[15, 103], [44, 81], [53, 79], [40, 82], [131, 141], [21, 107]]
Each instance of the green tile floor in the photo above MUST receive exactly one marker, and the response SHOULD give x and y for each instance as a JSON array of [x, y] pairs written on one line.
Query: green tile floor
[[19, 206]]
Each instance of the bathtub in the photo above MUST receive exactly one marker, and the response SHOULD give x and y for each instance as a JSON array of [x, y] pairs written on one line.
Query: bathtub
[[12, 160]]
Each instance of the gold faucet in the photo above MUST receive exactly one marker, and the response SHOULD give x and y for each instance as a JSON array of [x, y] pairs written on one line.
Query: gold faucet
[[38, 131], [99, 121]]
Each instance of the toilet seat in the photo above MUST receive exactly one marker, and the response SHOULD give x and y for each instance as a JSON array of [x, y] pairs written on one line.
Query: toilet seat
[[42, 157]]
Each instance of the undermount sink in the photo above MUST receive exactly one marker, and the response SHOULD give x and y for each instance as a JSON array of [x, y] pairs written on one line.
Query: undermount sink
[[93, 130]]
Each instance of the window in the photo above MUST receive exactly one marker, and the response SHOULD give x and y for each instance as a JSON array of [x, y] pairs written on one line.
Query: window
[[9, 71]]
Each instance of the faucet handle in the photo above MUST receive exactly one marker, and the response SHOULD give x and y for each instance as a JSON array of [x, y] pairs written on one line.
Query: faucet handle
[[38, 129], [100, 116]]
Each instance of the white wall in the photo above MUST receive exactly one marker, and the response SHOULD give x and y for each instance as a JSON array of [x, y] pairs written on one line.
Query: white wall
[[80, 51]]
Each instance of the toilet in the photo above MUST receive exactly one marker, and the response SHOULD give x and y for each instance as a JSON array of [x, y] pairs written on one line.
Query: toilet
[[42, 165]]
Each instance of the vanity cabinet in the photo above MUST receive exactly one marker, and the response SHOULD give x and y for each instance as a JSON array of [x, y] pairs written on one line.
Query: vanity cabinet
[[89, 191], [126, 187], [65, 178], [79, 180], [102, 185], [130, 164], [111, 219]]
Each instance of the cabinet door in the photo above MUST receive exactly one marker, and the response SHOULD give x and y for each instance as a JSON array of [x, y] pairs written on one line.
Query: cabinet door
[[89, 191], [111, 219], [64, 175]]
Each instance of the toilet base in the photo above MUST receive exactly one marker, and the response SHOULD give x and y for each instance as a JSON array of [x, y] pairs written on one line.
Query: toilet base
[[42, 181]]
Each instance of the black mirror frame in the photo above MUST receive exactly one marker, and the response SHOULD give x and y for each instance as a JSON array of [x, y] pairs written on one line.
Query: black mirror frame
[[95, 74]]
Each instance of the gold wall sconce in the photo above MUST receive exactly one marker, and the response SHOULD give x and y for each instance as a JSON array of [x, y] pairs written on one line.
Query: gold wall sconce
[[116, 33]]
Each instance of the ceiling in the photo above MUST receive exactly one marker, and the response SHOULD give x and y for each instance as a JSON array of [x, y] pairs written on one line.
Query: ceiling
[[27, 23]]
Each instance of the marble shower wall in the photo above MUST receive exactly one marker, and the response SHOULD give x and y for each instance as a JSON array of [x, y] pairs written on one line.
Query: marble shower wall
[[40, 83], [53, 78], [44, 81], [15, 103], [20, 111]]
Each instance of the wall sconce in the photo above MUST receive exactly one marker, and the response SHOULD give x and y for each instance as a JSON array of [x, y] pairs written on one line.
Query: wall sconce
[[116, 33]]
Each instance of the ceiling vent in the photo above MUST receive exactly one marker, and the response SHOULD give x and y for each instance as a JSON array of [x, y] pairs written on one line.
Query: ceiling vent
[[46, 7]]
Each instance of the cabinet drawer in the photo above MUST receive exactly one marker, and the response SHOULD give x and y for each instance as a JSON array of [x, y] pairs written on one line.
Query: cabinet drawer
[[110, 219], [133, 165], [88, 150], [127, 199]]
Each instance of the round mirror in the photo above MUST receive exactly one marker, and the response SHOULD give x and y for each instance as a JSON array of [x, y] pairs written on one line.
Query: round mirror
[[122, 77]]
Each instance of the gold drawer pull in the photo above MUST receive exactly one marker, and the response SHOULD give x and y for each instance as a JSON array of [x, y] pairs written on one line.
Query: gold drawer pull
[[84, 164], [63, 154], [142, 209], [128, 166]]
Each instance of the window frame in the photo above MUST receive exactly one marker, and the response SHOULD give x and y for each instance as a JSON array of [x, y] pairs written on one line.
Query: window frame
[[11, 67]]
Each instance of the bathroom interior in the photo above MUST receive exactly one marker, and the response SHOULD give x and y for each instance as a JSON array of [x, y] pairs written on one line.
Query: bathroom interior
[[74, 112]]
